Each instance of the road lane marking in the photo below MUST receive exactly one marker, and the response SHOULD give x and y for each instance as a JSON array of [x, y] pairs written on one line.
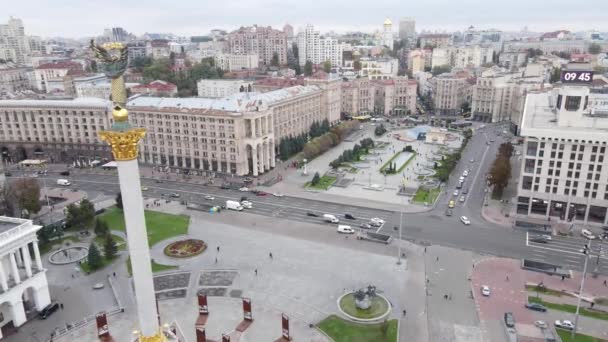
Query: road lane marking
[[472, 185]]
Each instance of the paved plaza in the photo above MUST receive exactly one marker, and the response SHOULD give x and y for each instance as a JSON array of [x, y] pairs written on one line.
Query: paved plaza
[[367, 181]]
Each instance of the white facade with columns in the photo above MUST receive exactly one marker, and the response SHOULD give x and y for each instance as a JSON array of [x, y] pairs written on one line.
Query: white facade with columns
[[23, 285]]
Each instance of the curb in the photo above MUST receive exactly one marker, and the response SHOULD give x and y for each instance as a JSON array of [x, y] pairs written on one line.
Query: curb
[[365, 320]]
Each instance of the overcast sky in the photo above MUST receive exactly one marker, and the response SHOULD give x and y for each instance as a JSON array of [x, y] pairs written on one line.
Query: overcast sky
[[78, 18]]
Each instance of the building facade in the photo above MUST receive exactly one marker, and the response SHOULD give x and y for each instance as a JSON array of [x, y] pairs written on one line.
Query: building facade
[[564, 173], [358, 96], [15, 77], [407, 28], [261, 41], [155, 88], [222, 88], [62, 130], [435, 40], [387, 34], [25, 289], [235, 62], [48, 73], [449, 93]]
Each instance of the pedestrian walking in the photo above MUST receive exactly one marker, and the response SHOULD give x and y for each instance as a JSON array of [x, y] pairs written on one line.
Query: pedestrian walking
[[424, 249], [507, 279], [270, 255], [256, 271], [218, 249], [216, 260], [437, 258], [114, 274], [404, 313], [61, 306], [605, 283]]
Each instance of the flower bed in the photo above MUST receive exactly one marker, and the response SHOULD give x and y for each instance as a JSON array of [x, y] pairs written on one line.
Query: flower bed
[[185, 248]]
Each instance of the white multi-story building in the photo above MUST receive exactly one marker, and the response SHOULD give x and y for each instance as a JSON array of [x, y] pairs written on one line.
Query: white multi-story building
[[14, 44], [514, 59], [450, 93], [382, 68], [235, 62], [222, 88], [25, 289], [435, 40], [396, 96], [312, 47], [416, 60], [264, 42], [462, 56], [387, 34], [564, 173], [46, 73]]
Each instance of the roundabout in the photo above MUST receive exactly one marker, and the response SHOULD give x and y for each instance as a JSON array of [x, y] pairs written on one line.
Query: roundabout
[[185, 248]]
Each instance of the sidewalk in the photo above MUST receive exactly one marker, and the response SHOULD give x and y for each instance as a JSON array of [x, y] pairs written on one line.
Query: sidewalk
[[494, 213]]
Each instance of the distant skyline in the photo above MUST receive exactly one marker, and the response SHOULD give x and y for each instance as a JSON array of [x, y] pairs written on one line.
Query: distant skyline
[[76, 19]]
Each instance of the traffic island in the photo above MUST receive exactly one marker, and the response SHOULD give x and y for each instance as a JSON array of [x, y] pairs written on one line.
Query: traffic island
[[340, 330], [364, 305], [185, 248]]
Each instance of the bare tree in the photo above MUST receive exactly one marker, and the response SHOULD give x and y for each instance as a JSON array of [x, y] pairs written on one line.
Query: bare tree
[[24, 195]]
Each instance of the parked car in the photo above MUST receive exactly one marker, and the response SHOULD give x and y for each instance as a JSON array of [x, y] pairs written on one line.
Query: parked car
[[456, 192], [48, 310], [509, 320], [541, 324], [448, 212], [465, 191], [462, 198], [565, 324], [536, 307], [485, 290], [312, 214], [587, 234], [349, 216], [365, 226], [344, 229], [465, 220]]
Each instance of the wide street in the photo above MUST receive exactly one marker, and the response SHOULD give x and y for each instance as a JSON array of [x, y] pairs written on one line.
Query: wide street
[[426, 228]]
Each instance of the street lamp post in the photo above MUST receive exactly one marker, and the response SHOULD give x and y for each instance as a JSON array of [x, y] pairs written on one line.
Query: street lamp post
[[305, 170], [586, 251]]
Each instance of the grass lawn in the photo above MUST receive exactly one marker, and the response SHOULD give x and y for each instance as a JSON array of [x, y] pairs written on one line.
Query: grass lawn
[[569, 308], [532, 288], [155, 267], [120, 242], [105, 262], [379, 306], [324, 183], [45, 248], [428, 196], [402, 166], [565, 335], [344, 331], [160, 226]]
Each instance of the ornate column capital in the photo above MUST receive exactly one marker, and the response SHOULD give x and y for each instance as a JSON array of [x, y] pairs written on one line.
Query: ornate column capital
[[123, 143]]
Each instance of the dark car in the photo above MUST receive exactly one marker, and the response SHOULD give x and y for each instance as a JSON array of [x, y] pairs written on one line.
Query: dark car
[[175, 195], [509, 320], [159, 181], [46, 312], [261, 193], [311, 214], [225, 186], [243, 198], [448, 212], [349, 216], [365, 226], [538, 239], [65, 173], [536, 307]]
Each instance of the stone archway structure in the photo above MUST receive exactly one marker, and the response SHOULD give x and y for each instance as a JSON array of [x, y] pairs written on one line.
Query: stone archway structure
[[260, 147]]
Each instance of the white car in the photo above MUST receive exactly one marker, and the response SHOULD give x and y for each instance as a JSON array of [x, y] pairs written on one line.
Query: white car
[[98, 286], [587, 234], [456, 192], [344, 229], [465, 173], [247, 204], [465, 220], [244, 189], [472, 160], [462, 198], [277, 194], [565, 324], [377, 220], [541, 324], [209, 198], [485, 290]]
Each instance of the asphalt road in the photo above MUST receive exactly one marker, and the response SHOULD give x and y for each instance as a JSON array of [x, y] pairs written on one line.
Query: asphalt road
[[428, 228]]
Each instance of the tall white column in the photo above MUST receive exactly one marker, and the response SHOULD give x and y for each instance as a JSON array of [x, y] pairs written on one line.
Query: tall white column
[[42, 297], [252, 124], [18, 313], [27, 260], [273, 157], [254, 160], [3, 279], [137, 238], [37, 256], [14, 269]]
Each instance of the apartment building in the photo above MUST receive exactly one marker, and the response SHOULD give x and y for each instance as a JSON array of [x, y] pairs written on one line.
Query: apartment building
[[513, 59], [158, 48], [396, 96], [60, 129], [235, 62], [407, 28], [47, 73], [375, 68], [222, 88], [462, 56], [358, 96], [317, 49], [261, 41], [450, 93], [14, 44], [435, 40], [564, 176], [416, 60], [15, 77], [155, 88]]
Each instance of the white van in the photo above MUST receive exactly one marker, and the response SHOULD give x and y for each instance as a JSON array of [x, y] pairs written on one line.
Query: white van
[[234, 205], [588, 234], [330, 218], [63, 182]]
